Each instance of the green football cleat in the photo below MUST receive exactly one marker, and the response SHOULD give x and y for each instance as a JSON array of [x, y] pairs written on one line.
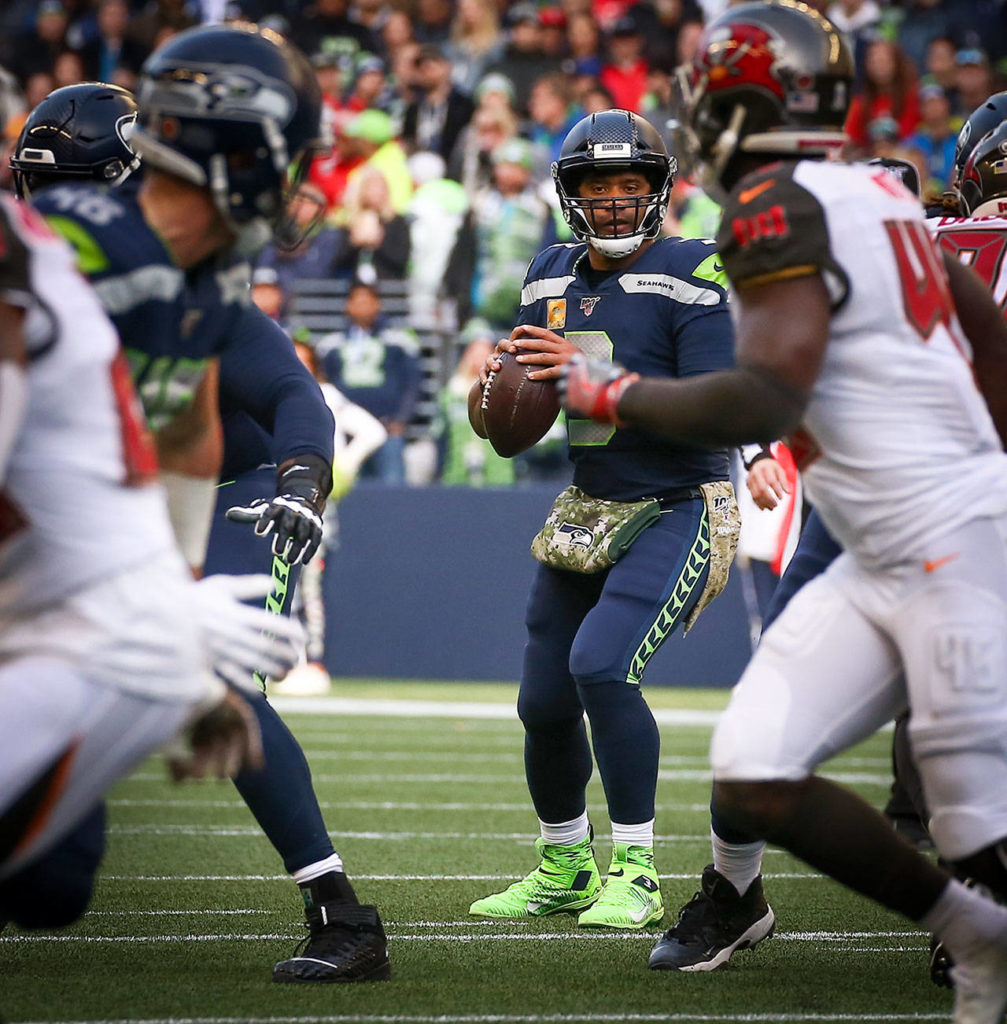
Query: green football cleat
[[631, 897], [567, 880]]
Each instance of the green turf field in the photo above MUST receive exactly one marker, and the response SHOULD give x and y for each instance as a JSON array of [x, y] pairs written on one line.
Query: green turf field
[[429, 812]]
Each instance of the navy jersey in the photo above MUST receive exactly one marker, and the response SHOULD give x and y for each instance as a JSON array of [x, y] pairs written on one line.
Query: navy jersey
[[664, 316], [170, 321]]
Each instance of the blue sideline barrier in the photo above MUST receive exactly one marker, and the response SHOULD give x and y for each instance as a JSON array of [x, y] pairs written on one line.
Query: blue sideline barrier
[[430, 583]]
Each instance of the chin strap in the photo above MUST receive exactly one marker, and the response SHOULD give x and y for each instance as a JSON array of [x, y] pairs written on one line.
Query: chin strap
[[608, 246]]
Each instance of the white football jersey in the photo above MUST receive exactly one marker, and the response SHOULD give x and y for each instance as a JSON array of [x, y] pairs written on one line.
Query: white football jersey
[[80, 499], [897, 446]]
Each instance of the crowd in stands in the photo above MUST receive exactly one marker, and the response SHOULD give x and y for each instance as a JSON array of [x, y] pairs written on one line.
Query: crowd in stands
[[445, 116]]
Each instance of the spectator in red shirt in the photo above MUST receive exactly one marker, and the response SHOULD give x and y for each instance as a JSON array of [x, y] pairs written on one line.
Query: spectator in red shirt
[[331, 172], [624, 75], [889, 91]]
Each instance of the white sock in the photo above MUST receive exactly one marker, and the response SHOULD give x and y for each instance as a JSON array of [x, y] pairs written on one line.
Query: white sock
[[320, 867], [739, 863], [966, 921], [565, 833], [634, 835]]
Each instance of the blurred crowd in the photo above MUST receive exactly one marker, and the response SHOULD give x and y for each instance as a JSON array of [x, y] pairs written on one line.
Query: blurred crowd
[[445, 116]]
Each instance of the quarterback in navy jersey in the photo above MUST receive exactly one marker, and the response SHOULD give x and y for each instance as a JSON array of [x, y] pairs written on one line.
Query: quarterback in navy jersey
[[620, 292], [178, 292]]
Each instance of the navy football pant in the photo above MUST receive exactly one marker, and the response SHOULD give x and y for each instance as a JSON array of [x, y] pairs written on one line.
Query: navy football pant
[[54, 891], [589, 640], [280, 796]]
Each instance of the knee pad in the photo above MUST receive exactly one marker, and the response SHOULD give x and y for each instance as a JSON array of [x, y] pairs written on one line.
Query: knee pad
[[749, 742], [963, 766]]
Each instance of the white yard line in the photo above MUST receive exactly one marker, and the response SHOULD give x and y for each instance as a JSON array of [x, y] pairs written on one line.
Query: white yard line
[[544, 1018], [386, 805], [841, 943], [667, 775], [689, 877], [255, 830]]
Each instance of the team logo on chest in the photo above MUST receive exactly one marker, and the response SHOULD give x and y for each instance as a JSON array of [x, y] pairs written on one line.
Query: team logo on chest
[[556, 314], [588, 302]]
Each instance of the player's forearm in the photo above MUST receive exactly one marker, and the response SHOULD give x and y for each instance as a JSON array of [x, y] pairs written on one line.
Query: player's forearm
[[730, 407]]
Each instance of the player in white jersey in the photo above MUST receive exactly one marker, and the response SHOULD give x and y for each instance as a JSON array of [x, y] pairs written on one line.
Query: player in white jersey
[[107, 645], [849, 342]]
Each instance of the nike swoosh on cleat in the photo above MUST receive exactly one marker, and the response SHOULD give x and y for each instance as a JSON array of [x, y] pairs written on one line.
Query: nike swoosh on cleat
[[637, 917], [617, 874]]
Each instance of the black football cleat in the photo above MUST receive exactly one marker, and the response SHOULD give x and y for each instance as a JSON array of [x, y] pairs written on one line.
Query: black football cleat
[[714, 924], [345, 942]]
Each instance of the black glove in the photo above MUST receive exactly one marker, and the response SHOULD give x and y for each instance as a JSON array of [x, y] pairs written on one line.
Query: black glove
[[295, 513]]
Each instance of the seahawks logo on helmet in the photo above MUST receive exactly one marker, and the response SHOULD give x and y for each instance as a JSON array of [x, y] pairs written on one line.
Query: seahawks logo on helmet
[[124, 128], [221, 91]]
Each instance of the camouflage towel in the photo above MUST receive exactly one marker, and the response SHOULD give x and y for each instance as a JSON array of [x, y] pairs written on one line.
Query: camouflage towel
[[585, 534], [725, 525]]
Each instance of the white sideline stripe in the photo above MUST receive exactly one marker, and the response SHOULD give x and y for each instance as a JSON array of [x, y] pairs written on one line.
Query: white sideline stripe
[[673, 775], [543, 1018], [450, 709], [690, 877]]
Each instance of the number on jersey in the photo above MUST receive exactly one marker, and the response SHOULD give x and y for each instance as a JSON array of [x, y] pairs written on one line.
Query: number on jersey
[[983, 251], [926, 294]]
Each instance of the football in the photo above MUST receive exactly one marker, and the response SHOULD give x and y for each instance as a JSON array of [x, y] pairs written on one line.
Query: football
[[517, 411]]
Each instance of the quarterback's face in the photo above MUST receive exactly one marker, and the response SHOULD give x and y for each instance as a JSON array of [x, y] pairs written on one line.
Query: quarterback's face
[[617, 209]]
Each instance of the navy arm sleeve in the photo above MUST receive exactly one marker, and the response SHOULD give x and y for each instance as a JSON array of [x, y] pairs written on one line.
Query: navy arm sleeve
[[261, 374]]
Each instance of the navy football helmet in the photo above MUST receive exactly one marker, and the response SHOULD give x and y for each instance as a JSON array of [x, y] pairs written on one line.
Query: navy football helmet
[[610, 141], [237, 110], [79, 132], [982, 191], [980, 122], [767, 78]]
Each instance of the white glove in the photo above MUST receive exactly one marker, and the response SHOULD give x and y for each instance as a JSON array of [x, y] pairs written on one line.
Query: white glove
[[239, 639]]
